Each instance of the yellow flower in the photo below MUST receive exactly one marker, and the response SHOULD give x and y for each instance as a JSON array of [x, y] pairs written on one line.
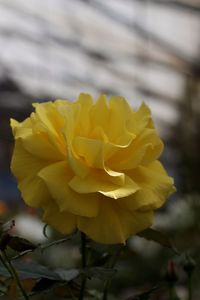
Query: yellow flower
[[91, 166]]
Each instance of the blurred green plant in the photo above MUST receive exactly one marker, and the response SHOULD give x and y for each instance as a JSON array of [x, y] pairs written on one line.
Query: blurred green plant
[[23, 277]]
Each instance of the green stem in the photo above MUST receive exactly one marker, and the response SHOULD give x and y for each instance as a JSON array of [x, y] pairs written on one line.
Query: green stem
[[5, 265], [111, 265], [171, 291], [189, 286], [83, 253], [14, 274]]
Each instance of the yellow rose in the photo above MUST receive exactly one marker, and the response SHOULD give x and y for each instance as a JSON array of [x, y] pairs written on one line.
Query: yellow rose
[[91, 166]]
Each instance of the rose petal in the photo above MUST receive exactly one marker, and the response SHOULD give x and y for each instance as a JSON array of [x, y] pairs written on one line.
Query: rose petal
[[114, 224], [64, 222], [140, 120], [56, 177], [25, 167], [143, 150], [83, 123], [92, 151], [120, 112], [98, 182], [21, 130], [155, 187], [100, 114]]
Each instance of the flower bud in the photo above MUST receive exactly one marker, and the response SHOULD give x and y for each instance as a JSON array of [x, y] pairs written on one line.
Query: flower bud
[[171, 275]]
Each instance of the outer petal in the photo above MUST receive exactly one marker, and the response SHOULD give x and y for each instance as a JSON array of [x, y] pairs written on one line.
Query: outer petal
[[39, 145], [64, 222], [48, 119], [56, 177], [21, 130], [155, 187], [100, 114], [23, 164], [140, 119], [120, 113], [114, 224], [25, 167], [49, 116], [34, 191], [155, 146], [83, 123]]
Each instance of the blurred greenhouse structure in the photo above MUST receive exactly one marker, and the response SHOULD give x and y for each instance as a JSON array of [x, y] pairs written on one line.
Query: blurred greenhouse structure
[[144, 50]]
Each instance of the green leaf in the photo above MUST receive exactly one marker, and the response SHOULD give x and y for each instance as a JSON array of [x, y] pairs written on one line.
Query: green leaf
[[158, 237], [99, 272], [67, 275], [144, 296], [37, 271], [34, 270], [30, 270]]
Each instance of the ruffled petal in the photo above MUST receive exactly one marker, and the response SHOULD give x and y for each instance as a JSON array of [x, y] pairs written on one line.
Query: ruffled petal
[[26, 167], [83, 123], [143, 150], [21, 130], [91, 151], [154, 148], [100, 114], [113, 224], [34, 191], [97, 182], [49, 120], [23, 164], [94, 153], [49, 116], [134, 222], [77, 163], [155, 187], [64, 222], [56, 177], [39, 145], [120, 112], [105, 228], [140, 120]]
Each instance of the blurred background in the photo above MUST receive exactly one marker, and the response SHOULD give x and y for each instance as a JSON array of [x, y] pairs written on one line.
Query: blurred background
[[141, 49]]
